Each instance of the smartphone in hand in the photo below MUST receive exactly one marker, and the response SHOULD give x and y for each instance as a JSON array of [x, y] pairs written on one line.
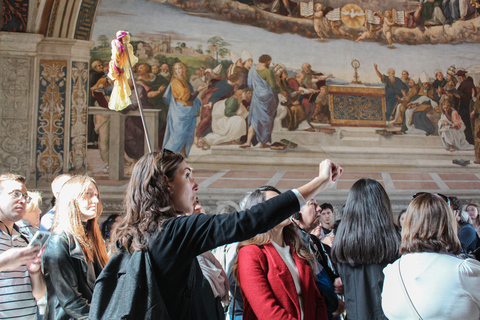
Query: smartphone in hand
[[39, 239]]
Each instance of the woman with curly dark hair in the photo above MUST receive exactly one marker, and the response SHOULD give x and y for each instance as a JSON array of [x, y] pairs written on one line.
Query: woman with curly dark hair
[[160, 194]]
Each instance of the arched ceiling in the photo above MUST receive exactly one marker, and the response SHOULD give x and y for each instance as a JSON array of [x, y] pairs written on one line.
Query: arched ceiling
[[69, 19]]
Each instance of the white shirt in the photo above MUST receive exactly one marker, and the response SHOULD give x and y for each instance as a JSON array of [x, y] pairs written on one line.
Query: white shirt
[[441, 287], [286, 256]]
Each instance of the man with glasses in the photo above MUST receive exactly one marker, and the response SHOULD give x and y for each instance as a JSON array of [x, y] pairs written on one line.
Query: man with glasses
[[21, 279]]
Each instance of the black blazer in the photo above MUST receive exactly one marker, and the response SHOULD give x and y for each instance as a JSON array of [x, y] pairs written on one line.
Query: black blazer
[[174, 249]]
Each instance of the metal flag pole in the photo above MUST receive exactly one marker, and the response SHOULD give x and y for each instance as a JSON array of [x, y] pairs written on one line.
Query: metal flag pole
[[138, 100]]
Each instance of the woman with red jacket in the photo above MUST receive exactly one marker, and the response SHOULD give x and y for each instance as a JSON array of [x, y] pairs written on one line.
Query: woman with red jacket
[[274, 272]]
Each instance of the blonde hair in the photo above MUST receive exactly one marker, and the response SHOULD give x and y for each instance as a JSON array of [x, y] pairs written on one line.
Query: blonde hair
[[184, 72], [290, 232], [68, 219], [58, 183], [35, 202]]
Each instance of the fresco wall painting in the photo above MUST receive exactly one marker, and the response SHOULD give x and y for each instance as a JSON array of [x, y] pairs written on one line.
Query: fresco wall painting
[[213, 35]]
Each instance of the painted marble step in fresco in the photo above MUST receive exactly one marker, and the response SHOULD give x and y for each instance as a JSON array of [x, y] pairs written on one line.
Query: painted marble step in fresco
[[365, 137], [350, 158]]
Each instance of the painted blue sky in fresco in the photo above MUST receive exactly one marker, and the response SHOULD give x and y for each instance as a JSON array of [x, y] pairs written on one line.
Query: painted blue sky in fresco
[[146, 18]]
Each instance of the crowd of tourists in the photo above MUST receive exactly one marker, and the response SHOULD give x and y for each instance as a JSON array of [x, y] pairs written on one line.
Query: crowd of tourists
[[283, 256]]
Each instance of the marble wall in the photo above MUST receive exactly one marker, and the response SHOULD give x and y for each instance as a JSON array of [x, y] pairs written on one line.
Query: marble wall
[[43, 106]]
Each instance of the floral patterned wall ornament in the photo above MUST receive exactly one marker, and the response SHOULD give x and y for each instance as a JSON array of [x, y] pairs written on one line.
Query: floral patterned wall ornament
[[51, 120], [14, 15], [78, 118], [14, 106]]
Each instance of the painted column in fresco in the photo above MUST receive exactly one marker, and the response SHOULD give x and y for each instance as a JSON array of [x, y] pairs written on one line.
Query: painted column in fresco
[[62, 108]]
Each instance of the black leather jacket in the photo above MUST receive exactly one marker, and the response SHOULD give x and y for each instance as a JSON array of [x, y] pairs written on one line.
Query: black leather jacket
[[70, 278]]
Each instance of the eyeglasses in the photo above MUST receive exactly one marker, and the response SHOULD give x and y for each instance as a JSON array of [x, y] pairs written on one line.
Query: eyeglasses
[[444, 197], [17, 194]]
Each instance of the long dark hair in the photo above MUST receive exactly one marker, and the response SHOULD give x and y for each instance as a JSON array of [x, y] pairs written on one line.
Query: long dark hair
[[367, 232], [148, 200]]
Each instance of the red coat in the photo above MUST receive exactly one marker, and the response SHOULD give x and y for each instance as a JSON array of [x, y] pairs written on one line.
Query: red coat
[[268, 289]]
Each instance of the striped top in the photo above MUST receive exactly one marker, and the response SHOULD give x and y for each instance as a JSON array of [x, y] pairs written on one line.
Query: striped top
[[16, 298]]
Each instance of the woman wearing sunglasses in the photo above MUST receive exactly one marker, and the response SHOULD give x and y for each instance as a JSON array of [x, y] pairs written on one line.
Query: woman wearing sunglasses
[[429, 281]]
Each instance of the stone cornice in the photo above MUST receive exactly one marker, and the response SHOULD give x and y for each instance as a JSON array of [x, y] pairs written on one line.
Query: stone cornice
[[24, 44], [58, 48]]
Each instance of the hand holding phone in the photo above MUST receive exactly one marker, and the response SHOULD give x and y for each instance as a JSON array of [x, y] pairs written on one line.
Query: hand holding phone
[[39, 239]]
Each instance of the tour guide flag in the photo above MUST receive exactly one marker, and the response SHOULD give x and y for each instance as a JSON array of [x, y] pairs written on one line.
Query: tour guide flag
[[120, 71]]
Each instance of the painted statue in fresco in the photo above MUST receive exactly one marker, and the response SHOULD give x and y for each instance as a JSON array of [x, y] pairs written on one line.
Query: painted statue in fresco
[[155, 85], [229, 119], [416, 120], [465, 89], [475, 118], [451, 129]]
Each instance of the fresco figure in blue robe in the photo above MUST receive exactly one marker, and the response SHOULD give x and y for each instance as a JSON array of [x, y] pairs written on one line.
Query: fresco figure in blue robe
[[393, 90], [183, 109], [263, 108]]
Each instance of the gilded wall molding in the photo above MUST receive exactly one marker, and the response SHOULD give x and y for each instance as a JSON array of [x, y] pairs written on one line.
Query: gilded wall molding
[[53, 18]]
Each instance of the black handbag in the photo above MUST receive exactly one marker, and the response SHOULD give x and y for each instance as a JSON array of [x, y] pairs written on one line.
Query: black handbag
[[127, 289]]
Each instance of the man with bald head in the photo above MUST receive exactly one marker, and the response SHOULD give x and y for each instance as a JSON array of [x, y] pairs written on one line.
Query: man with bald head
[[393, 90]]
